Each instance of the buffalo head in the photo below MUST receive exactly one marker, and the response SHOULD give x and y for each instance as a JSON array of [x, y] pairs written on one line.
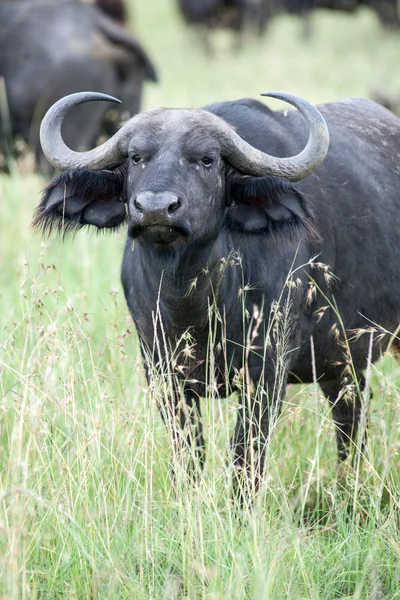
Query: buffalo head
[[176, 171]]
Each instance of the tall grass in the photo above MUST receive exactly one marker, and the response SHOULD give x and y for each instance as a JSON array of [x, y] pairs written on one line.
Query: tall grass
[[88, 509]]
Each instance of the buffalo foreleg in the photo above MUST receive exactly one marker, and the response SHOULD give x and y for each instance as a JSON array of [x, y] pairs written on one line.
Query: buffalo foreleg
[[183, 420], [249, 444], [346, 413]]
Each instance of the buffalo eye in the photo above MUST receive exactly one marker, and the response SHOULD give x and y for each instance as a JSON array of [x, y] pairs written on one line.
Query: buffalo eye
[[136, 158], [207, 161]]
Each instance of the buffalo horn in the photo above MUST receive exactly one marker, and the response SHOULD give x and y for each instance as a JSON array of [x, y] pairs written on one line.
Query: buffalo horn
[[251, 161], [237, 152], [58, 153]]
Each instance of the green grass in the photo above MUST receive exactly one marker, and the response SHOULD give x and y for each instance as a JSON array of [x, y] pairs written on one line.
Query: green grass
[[87, 506]]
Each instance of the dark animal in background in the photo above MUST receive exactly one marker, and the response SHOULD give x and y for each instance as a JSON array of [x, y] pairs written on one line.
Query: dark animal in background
[[116, 9], [389, 101], [214, 13], [256, 15], [49, 49], [386, 10], [234, 15], [265, 10], [220, 227]]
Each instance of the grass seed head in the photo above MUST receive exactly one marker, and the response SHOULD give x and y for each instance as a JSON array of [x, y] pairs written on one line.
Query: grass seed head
[[311, 294]]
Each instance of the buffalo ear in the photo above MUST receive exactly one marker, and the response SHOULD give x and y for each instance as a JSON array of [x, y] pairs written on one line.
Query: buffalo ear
[[81, 197], [266, 204]]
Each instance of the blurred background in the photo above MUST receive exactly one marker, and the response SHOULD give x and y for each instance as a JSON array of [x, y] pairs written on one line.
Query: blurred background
[[184, 53]]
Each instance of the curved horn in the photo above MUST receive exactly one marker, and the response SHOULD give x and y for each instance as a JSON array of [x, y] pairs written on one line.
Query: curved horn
[[251, 161], [239, 153], [59, 155]]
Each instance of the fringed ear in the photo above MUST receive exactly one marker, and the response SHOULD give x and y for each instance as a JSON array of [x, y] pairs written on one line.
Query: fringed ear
[[81, 197], [267, 204]]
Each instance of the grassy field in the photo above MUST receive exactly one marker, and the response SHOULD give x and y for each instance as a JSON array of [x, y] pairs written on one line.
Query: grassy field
[[87, 506]]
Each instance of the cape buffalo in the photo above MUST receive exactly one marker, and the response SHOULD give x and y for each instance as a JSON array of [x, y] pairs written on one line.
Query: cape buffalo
[[214, 13], [262, 268], [385, 10], [116, 9], [235, 15], [50, 48]]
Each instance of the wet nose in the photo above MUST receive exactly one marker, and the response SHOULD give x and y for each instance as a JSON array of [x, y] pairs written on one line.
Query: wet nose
[[157, 203]]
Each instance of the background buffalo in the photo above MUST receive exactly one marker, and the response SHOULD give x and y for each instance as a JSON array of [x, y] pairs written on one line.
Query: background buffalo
[[48, 49], [255, 15]]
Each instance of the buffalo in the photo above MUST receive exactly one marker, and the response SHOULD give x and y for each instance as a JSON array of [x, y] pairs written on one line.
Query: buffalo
[[389, 101], [116, 9], [234, 15], [257, 249], [386, 10], [214, 13], [49, 49], [256, 15]]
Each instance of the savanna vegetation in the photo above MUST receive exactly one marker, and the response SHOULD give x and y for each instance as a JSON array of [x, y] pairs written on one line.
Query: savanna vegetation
[[87, 507]]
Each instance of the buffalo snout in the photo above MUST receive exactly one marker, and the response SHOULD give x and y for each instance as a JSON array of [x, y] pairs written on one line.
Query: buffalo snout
[[157, 217], [156, 207]]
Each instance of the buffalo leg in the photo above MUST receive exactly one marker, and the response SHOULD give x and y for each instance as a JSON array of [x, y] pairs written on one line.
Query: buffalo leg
[[249, 445], [183, 419], [346, 414]]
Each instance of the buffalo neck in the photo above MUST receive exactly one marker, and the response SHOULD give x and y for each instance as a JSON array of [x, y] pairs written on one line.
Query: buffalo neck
[[188, 282]]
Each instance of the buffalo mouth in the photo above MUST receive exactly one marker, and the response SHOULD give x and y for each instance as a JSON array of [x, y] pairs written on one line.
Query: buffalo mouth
[[163, 235]]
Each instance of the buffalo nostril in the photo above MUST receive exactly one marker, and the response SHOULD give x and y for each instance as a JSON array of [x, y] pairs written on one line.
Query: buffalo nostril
[[138, 205], [174, 205]]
